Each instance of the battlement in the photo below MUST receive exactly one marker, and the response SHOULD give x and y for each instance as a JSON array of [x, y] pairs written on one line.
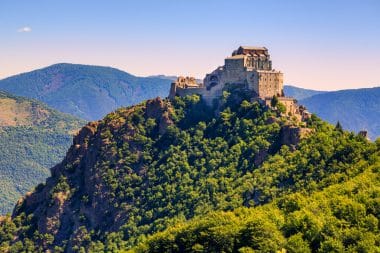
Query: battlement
[[187, 82]]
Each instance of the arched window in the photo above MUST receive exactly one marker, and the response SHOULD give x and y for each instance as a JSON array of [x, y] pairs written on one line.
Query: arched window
[[214, 79]]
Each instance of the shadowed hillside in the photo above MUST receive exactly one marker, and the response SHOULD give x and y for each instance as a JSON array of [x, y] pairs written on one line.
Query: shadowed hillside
[[33, 137]]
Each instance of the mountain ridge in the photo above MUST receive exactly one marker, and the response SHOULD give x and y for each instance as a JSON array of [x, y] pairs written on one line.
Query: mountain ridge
[[300, 93], [355, 109], [85, 91]]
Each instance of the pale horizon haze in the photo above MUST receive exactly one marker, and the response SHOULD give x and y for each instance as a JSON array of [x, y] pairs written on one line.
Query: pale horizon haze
[[322, 45]]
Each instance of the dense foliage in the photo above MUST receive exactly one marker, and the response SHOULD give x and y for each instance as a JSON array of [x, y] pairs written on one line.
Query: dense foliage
[[88, 92], [225, 169], [341, 218], [28, 149]]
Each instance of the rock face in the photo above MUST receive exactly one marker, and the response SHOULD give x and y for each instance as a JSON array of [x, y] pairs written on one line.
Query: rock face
[[76, 194], [157, 109], [54, 204], [292, 135]]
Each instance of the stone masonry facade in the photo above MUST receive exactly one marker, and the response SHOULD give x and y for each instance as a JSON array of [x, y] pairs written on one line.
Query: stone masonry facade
[[248, 67]]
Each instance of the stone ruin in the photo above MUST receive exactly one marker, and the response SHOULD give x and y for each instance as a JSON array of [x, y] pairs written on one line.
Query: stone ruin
[[248, 67]]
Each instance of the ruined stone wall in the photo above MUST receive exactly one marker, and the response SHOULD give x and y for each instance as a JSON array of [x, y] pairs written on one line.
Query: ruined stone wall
[[184, 86], [207, 95], [290, 104], [189, 91]]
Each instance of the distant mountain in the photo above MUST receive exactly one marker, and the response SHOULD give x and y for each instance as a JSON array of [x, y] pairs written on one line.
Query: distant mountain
[[33, 137], [173, 78], [300, 93], [356, 110], [89, 92]]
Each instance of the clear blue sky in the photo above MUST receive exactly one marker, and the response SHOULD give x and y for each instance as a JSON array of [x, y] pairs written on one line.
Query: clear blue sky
[[327, 45]]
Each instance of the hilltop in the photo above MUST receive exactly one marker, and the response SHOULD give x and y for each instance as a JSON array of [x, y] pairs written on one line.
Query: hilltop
[[169, 164], [88, 92], [33, 137]]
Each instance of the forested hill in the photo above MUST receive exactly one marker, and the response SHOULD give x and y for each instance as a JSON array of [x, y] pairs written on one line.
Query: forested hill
[[233, 178], [33, 137], [88, 92]]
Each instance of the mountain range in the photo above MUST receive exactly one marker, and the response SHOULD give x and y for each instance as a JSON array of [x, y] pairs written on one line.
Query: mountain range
[[300, 93], [33, 138], [87, 92], [356, 109]]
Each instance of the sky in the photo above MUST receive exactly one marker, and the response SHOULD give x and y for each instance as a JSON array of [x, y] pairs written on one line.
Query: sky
[[323, 45]]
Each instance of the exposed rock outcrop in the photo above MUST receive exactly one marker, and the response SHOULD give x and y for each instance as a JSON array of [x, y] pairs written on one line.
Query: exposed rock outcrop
[[77, 195], [159, 110], [292, 135]]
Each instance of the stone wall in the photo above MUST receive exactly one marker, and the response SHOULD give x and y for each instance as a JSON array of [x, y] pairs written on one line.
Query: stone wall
[[185, 86], [290, 104], [265, 83]]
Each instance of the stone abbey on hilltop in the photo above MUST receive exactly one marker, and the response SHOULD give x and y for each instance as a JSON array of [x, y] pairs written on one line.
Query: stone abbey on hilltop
[[249, 67]]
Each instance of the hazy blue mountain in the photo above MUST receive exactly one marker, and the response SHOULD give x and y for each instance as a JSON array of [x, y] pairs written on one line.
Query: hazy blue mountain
[[356, 110], [300, 93], [33, 138], [89, 92], [173, 78]]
